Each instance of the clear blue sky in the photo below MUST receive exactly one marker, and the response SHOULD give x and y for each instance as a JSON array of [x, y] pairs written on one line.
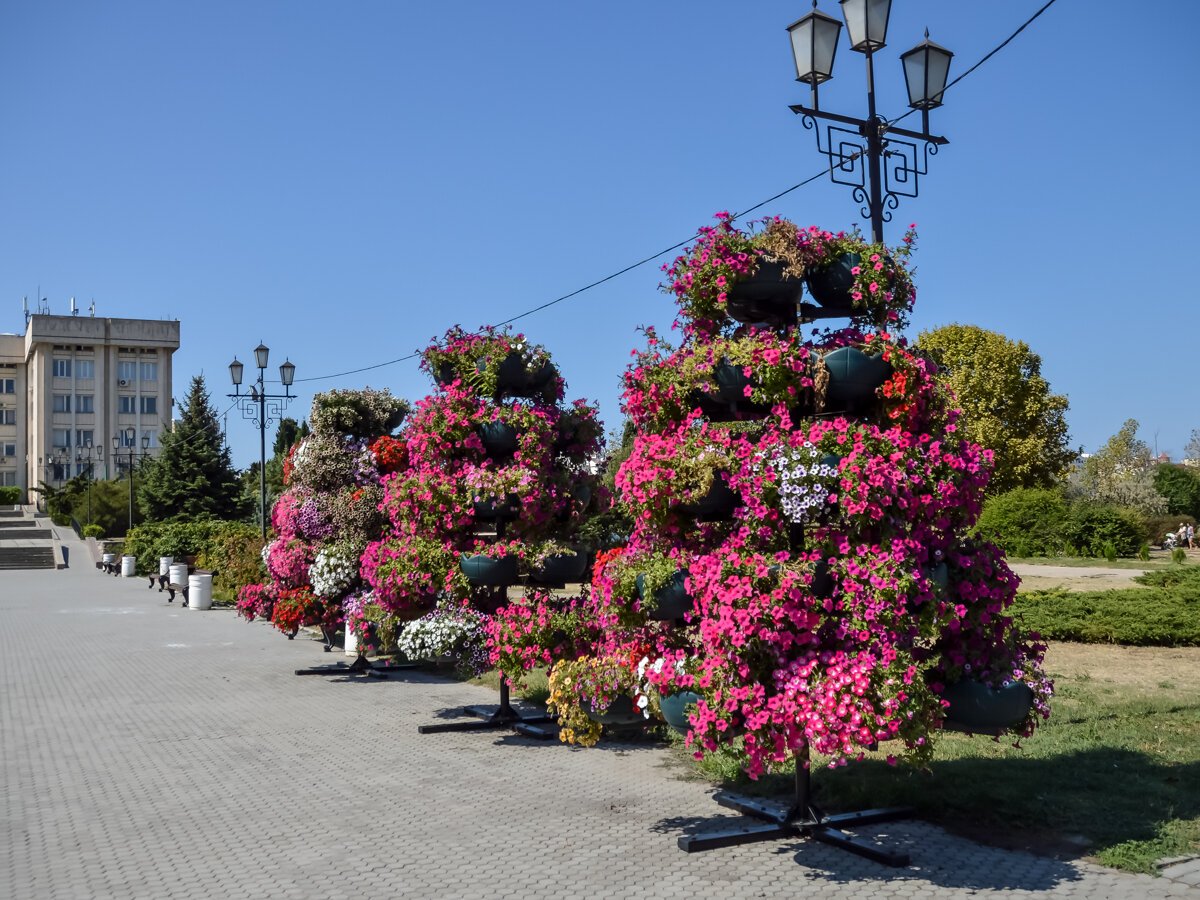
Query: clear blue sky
[[344, 181]]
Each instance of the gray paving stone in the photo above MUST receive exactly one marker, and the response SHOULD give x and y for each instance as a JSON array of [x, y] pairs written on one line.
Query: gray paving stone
[[150, 751]]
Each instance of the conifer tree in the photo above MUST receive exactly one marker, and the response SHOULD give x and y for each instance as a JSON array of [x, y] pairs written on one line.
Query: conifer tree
[[192, 476]]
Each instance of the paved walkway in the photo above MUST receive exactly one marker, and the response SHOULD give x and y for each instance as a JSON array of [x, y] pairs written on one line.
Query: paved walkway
[[149, 751]]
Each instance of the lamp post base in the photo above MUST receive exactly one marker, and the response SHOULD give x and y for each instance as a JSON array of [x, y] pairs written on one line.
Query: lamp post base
[[503, 716]]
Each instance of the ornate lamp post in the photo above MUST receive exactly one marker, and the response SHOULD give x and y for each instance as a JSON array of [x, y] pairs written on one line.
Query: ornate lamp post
[[130, 441], [893, 166], [254, 406], [90, 455]]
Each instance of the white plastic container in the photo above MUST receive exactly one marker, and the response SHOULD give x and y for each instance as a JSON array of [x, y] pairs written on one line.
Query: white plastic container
[[350, 642], [200, 592], [128, 566], [164, 564], [177, 574]]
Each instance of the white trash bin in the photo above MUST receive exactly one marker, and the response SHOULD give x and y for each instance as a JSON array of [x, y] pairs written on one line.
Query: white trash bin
[[109, 559], [164, 564], [350, 642], [177, 574], [200, 592], [128, 566]]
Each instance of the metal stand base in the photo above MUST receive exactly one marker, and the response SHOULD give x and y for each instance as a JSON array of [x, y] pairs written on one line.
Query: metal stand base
[[360, 666], [503, 716], [803, 819]]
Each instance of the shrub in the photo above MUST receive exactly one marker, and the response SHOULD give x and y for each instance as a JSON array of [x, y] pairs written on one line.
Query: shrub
[[10, 496], [1180, 486], [232, 549], [1178, 555], [1157, 527], [1148, 617], [1025, 522], [1090, 527], [93, 531]]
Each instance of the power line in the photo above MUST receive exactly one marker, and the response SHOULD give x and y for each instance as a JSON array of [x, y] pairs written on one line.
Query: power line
[[686, 241]]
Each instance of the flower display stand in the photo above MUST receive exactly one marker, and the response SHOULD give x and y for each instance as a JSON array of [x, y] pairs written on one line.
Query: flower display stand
[[360, 666], [802, 818]]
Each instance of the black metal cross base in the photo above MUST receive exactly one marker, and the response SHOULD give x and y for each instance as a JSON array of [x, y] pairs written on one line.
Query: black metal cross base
[[360, 666], [802, 819], [503, 716]]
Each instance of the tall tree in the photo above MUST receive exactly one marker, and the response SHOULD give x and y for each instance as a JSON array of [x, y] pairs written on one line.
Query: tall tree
[[192, 476], [1192, 450], [1006, 404], [1122, 473]]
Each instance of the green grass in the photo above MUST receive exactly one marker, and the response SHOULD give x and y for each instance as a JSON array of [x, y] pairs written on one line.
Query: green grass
[[1098, 562], [1119, 768]]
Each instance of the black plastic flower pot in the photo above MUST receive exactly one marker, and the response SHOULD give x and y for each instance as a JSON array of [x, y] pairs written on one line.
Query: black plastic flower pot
[[939, 575], [620, 712], [497, 510], [854, 377], [732, 381], [716, 505], [831, 285], [499, 439], [567, 568], [669, 602], [445, 375], [975, 705], [674, 709], [767, 297], [483, 571]]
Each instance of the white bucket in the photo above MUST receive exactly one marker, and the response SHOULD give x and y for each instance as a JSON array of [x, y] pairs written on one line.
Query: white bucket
[[200, 592], [350, 642], [128, 566], [177, 574], [164, 564], [109, 558]]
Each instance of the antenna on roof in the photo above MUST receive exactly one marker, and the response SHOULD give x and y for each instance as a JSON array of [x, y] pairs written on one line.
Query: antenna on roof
[[25, 306], [92, 308], [74, 308]]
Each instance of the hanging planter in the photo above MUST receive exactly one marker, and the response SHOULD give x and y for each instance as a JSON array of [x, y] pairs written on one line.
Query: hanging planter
[[674, 709], [483, 571], [716, 505], [939, 575], [669, 602], [854, 377], [499, 439], [561, 569], [975, 706], [768, 297], [831, 285], [515, 377], [497, 510], [620, 712]]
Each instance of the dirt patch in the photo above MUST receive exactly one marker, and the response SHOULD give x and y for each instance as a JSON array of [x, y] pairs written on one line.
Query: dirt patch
[[1073, 578], [1143, 668]]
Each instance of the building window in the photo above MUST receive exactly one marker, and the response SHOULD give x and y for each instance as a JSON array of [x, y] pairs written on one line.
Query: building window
[[85, 368], [8, 479], [8, 385], [149, 371], [62, 368], [62, 437], [84, 403], [62, 403], [126, 403], [10, 450], [84, 436], [149, 405], [8, 417], [126, 371], [128, 438], [152, 436]]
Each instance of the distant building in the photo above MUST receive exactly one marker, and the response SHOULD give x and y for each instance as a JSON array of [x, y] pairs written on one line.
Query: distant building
[[73, 382]]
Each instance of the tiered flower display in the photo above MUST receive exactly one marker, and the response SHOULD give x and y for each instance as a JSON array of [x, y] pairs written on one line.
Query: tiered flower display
[[329, 512], [499, 473], [799, 560]]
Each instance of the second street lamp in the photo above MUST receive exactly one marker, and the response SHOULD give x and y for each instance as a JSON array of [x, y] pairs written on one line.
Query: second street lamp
[[128, 439], [254, 406], [892, 166], [89, 455]]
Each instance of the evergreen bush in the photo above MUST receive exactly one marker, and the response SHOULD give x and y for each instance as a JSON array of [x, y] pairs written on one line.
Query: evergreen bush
[[1026, 522], [1090, 527]]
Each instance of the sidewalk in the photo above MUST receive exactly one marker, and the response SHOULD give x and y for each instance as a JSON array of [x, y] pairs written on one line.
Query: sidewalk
[[150, 751]]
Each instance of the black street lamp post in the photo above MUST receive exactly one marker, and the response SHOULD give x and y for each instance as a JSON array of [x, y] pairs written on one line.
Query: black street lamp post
[[893, 167], [90, 455], [257, 409], [131, 443]]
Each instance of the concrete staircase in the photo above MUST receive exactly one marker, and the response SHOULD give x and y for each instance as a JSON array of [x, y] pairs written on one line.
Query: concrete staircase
[[25, 543]]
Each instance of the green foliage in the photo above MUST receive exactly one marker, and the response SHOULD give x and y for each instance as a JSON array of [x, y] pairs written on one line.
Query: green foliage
[[192, 477], [1025, 521], [10, 496], [364, 413], [1110, 552], [1157, 527], [93, 531], [1006, 404], [1121, 473], [1178, 555], [1144, 552], [232, 549], [1180, 486], [1159, 617], [1089, 528]]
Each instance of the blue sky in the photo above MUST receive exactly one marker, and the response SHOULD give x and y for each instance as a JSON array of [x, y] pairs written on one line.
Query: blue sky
[[344, 181]]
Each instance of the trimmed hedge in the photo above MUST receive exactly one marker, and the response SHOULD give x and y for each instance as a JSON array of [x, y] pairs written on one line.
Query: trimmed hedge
[[1092, 530], [232, 549], [1026, 522], [1164, 615], [10, 496]]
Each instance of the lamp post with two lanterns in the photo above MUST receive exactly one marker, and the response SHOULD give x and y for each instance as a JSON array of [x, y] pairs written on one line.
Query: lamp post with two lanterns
[[128, 439], [893, 166], [254, 406], [89, 455]]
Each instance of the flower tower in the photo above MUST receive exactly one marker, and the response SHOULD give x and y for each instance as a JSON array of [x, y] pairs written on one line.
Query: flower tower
[[328, 512], [799, 577], [498, 484]]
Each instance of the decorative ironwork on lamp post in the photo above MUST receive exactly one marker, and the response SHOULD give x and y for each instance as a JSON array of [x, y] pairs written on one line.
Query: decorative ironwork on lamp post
[[130, 441], [262, 409], [895, 158], [90, 455]]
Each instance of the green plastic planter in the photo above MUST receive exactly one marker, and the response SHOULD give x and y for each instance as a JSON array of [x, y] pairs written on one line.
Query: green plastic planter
[[715, 506], [976, 706], [562, 569], [620, 712], [483, 571], [831, 285], [499, 439], [767, 297], [674, 709], [853, 379], [671, 601]]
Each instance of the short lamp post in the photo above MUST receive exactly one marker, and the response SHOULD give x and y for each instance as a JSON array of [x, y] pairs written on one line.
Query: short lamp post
[[257, 409], [89, 455], [130, 445], [893, 166], [57, 464]]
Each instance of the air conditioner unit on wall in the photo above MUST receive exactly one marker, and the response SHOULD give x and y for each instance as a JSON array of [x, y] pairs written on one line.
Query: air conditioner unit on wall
[[123, 382]]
